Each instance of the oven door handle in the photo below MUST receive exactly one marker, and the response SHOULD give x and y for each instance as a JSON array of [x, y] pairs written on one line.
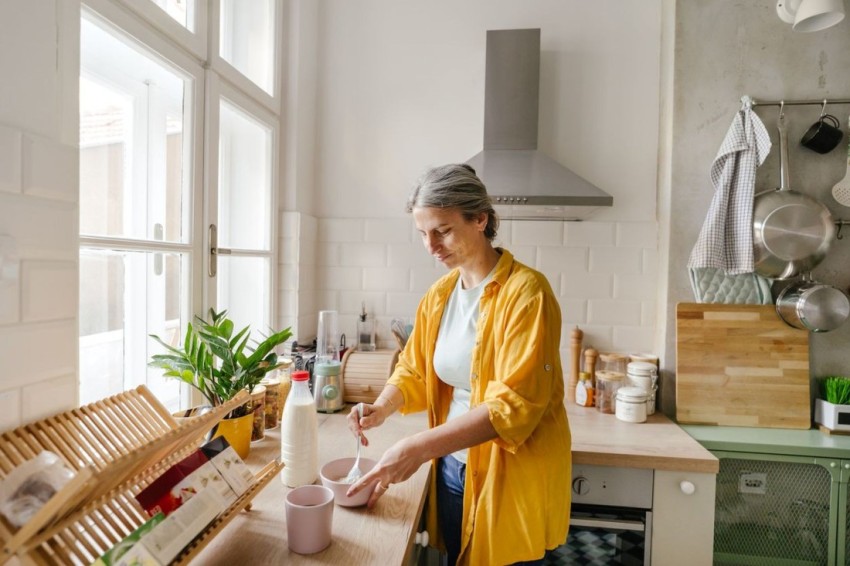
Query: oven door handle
[[637, 526]]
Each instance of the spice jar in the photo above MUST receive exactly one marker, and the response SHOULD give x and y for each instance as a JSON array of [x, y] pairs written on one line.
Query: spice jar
[[258, 407], [613, 362], [272, 407], [631, 404], [607, 384]]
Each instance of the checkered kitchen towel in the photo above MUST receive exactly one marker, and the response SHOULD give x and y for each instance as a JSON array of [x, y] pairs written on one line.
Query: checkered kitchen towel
[[726, 239]]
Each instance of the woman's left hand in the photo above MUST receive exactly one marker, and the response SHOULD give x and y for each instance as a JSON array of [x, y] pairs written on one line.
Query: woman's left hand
[[396, 465]]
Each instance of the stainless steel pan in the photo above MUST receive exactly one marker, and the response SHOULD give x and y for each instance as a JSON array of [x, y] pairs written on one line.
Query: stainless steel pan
[[791, 231], [813, 306]]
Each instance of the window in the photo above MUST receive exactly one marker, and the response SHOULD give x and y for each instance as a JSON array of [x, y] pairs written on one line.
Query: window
[[144, 210]]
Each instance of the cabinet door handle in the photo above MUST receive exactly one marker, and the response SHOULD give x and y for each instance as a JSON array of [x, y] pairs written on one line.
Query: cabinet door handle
[[687, 487], [622, 525], [421, 538]]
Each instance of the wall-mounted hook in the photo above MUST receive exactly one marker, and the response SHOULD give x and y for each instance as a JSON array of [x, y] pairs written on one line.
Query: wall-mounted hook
[[840, 224]]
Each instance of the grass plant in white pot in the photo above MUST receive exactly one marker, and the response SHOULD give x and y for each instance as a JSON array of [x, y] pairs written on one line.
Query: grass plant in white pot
[[832, 409]]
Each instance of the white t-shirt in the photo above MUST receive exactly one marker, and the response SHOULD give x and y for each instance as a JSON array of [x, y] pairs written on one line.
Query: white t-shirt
[[455, 341]]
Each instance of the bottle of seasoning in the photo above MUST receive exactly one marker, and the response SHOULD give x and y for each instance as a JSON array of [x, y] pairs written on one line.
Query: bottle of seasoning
[[299, 434], [365, 332], [584, 390]]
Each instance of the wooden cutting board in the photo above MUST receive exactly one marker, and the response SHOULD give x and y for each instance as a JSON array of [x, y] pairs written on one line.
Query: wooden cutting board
[[740, 365]]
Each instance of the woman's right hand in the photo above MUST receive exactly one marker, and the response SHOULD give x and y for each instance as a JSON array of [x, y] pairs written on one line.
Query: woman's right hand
[[373, 416]]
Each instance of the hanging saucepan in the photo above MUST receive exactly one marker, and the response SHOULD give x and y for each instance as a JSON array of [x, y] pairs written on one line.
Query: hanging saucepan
[[791, 231], [809, 305]]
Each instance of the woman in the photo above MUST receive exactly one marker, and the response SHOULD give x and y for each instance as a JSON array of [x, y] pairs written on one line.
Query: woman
[[483, 360]]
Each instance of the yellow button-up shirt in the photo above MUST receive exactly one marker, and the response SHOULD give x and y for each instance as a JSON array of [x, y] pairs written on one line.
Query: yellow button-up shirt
[[517, 491]]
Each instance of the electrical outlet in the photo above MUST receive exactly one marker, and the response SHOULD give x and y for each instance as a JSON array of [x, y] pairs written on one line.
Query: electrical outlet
[[751, 482]]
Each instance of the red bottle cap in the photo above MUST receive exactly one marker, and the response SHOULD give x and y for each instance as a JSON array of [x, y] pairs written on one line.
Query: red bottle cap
[[300, 375]]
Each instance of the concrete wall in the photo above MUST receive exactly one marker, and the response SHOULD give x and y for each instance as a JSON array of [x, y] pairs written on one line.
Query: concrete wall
[[724, 50]]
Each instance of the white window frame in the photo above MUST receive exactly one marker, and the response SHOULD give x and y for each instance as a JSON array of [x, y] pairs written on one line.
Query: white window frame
[[196, 41], [272, 102], [216, 90]]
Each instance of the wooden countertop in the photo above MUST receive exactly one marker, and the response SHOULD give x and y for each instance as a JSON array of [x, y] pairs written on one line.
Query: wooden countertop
[[603, 440], [384, 534], [381, 535]]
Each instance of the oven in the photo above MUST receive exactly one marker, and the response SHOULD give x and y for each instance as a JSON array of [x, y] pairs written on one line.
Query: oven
[[610, 518]]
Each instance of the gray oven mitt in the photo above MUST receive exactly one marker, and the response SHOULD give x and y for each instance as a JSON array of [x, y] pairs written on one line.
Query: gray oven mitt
[[713, 285]]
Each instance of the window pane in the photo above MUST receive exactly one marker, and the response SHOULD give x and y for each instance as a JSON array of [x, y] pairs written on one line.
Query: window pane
[[132, 149], [243, 290], [183, 11], [245, 174], [247, 39], [124, 297]]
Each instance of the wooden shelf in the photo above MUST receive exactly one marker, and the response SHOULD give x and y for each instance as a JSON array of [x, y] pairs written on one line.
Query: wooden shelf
[[117, 447]]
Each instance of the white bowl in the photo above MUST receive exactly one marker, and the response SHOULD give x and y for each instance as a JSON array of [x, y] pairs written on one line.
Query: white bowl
[[334, 472]]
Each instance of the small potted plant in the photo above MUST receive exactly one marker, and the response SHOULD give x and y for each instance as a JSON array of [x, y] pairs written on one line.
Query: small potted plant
[[220, 364], [832, 410]]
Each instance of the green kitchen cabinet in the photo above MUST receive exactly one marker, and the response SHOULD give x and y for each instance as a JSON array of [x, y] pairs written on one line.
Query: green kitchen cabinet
[[782, 496]]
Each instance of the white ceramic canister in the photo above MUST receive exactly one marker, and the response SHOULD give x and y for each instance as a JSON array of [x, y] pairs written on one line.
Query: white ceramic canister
[[645, 376], [631, 404]]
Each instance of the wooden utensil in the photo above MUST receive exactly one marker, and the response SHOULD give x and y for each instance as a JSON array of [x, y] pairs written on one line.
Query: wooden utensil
[[740, 365], [576, 336]]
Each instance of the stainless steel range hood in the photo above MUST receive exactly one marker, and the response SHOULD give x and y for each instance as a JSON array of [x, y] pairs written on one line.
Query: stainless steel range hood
[[525, 183]]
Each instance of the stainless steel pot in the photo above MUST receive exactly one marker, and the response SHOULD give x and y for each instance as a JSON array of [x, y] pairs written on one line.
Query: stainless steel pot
[[809, 305], [791, 231]]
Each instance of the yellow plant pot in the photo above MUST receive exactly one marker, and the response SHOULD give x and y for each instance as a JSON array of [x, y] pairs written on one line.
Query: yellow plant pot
[[237, 432]]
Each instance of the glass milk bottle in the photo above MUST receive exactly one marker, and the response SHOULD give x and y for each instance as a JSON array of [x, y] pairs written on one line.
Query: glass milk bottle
[[299, 434]]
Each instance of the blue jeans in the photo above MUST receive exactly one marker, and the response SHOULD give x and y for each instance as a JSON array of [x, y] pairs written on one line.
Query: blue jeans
[[451, 473]]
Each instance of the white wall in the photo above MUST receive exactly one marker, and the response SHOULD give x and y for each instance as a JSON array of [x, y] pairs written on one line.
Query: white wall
[[400, 87], [39, 66]]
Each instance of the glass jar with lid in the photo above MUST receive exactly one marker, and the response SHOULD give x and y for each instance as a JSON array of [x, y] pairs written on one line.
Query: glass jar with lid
[[607, 384], [613, 362]]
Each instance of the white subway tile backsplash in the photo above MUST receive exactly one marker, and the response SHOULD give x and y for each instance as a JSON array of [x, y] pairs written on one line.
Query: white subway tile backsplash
[[625, 313], [46, 398], [584, 234], [10, 409], [307, 252], [52, 237], [573, 311], [50, 169], [525, 254], [10, 160], [308, 227], [408, 255], [327, 300], [340, 230], [362, 255], [572, 260], [289, 249], [386, 279], [641, 286], [637, 234], [288, 302], [633, 338], [600, 337], [10, 297], [22, 349], [537, 233], [48, 290], [287, 277], [388, 230], [340, 278], [647, 312], [402, 304], [423, 277], [307, 277], [578, 284], [649, 263], [289, 224], [615, 260], [329, 253], [350, 302]]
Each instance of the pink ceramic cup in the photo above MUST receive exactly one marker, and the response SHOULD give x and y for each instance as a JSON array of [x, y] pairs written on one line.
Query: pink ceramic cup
[[309, 517]]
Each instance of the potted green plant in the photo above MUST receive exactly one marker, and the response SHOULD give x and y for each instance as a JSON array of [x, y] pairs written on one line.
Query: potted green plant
[[832, 410], [220, 364]]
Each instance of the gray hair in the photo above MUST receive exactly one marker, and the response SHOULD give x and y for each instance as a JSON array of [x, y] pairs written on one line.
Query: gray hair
[[455, 186]]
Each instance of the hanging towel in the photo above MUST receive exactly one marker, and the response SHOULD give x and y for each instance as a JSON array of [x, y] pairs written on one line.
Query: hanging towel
[[726, 239]]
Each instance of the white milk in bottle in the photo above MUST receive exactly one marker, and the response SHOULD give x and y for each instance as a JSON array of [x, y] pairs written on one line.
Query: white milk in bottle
[[299, 434]]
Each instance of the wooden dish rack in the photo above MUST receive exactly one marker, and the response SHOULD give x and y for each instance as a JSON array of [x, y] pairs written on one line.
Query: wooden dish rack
[[117, 447]]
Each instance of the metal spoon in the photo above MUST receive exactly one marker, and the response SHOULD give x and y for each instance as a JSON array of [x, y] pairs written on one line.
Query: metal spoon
[[356, 473]]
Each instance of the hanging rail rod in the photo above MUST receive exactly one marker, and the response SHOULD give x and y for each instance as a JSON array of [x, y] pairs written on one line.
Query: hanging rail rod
[[800, 102]]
